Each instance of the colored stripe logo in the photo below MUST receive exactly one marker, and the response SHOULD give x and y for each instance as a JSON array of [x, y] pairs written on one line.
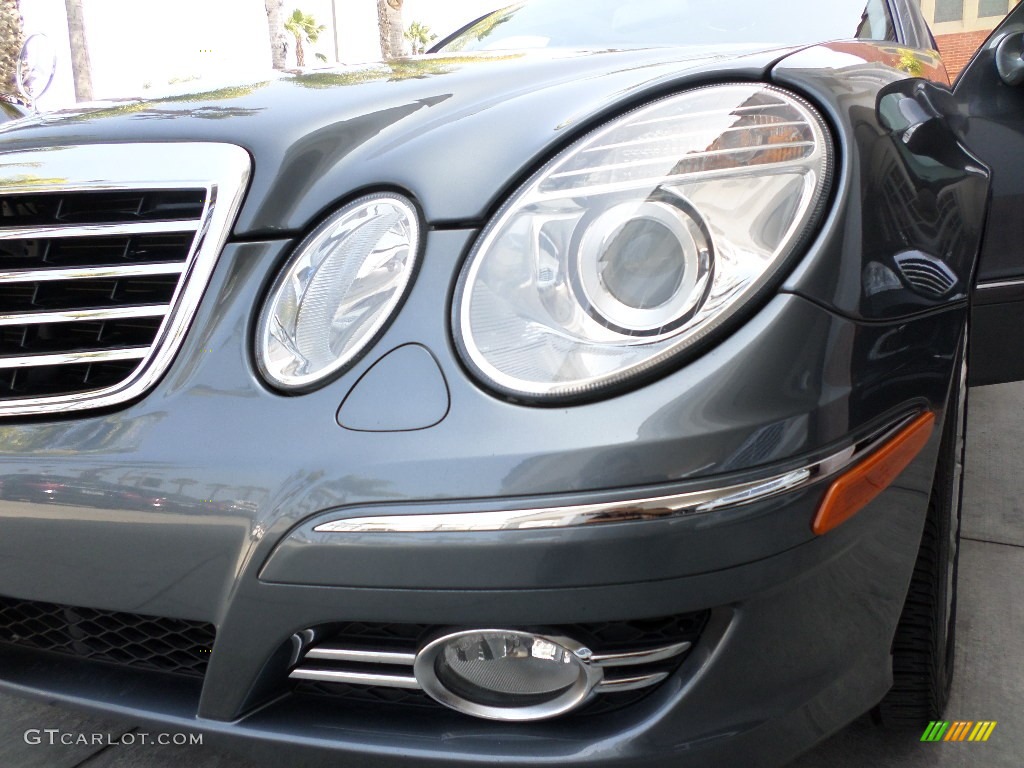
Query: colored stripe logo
[[959, 730]]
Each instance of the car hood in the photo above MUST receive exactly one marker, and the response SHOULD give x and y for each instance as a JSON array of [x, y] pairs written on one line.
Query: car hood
[[454, 132]]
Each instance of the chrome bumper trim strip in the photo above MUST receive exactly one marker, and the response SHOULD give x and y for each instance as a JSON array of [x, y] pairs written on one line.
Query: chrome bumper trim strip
[[355, 678], [633, 683], [330, 653], [639, 657], [626, 510]]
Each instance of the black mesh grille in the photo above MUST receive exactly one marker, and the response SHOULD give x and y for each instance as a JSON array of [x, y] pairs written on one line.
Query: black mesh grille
[[142, 642], [366, 695]]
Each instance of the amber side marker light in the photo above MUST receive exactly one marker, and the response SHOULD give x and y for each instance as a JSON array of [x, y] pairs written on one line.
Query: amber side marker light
[[853, 490]]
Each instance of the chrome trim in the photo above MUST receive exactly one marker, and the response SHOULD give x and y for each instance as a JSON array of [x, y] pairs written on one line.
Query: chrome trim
[[99, 230], [625, 510], [331, 653], [82, 315], [89, 273], [668, 159], [223, 170], [577, 693], [356, 678], [1000, 284], [632, 683], [597, 673], [639, 657], [755, 492], [680, 135], [92, 356], [299, 642]]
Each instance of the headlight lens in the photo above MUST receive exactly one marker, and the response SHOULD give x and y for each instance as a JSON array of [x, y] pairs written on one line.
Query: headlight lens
[[641, 239], [338, 291]]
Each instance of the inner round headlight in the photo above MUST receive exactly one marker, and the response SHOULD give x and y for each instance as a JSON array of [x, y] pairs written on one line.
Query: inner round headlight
[[338, 292], [506, 674]]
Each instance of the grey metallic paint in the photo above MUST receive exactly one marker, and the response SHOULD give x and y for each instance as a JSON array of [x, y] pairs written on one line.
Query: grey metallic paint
[[799, 643], [992, 123], [394, 125]]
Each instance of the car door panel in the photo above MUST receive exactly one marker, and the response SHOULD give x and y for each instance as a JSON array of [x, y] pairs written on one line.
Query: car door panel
[[993, 127]]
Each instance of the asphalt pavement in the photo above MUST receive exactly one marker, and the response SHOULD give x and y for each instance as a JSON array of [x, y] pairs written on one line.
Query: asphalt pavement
[[989, 682]]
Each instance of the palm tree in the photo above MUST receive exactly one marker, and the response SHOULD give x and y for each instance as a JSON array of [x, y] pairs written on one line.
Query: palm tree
[[12, 36], [278, 37], [81, 69], [392, 31], [420, 36], [303, 26]]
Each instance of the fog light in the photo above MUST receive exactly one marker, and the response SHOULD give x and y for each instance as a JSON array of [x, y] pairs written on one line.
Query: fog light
[[506, 674]]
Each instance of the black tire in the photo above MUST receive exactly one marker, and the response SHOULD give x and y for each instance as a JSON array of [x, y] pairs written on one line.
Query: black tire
[[924, 646]]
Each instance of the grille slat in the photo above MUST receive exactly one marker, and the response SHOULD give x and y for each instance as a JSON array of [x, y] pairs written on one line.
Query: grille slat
[[105, 253], [96, 230], [87, 283], [101, 207], [74, 295], [82, 315], [89, 273], [62, 379], [153, 643], [76, 336], [91, 356]]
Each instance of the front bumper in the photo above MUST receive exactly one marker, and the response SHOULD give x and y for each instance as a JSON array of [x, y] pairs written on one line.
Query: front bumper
[[799, 638], [797, 645]]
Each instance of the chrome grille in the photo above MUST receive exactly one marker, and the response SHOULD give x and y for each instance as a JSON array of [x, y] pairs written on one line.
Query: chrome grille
[[105, 251]]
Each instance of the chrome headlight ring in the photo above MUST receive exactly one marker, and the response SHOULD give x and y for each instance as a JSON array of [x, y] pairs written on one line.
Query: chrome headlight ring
[[610, 299]]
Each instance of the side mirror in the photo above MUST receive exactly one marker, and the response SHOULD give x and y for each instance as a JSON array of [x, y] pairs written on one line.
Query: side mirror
[[37, 64], [925, 118], [1010, 58]]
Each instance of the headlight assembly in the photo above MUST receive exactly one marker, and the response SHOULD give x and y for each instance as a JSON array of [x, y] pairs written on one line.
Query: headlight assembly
[[639, 240], [338, 292]]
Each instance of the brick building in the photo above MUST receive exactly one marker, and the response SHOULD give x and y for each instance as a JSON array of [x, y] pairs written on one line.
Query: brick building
[[961, 26]]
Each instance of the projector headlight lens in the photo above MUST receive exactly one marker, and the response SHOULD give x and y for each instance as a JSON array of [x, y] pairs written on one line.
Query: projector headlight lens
[[640, 240], [338, 292]]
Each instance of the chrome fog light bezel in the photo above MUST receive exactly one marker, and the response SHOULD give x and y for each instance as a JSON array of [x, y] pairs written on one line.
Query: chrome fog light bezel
[[588, 678]]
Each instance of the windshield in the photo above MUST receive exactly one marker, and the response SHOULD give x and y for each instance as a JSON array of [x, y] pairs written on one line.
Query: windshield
[[647, 23]]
